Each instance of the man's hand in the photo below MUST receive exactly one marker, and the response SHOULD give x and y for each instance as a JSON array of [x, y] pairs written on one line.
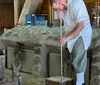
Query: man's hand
[[63, 40], [60, 14]]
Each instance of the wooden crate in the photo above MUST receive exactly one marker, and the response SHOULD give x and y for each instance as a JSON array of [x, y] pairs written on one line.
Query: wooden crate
[[57, 81]]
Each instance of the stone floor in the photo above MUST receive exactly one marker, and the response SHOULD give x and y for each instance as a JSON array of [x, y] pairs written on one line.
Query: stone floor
[[27, 79]]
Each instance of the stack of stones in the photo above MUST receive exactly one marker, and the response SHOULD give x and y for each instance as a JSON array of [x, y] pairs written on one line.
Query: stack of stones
[[95, 67]]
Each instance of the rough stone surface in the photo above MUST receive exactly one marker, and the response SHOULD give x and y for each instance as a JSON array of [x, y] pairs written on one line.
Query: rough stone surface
[[95, 70], [95, 80], [96, 59], [27, 79], [31, 36], [95, 67]]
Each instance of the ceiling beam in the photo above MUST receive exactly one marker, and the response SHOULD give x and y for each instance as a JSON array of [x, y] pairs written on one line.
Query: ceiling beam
[[28, 8], [16, 11], [87, 1]]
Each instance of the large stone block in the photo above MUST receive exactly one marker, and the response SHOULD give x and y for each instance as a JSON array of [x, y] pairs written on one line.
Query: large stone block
[[32, 61]]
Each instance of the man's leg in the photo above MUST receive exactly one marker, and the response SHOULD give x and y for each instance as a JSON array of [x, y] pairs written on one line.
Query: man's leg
[[80, 78], [79, 60]]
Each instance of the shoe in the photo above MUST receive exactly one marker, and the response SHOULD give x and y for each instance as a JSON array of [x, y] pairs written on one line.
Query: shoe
[[83, 84], [73, 82]]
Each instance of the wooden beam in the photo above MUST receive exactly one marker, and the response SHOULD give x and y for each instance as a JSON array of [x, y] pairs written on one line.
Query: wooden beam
[[21, 5], [16, 10], [28, 8], [88, 1], [40, 6], [18, 5], [50, 11]]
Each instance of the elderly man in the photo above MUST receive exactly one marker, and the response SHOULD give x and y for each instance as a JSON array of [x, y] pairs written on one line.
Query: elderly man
[[78, 33]]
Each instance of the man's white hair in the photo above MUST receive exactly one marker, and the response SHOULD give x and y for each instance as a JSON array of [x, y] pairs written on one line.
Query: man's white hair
[[56, 1]]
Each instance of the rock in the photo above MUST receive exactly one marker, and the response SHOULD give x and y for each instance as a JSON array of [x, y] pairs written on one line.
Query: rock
[[95, 80], [95, 70]]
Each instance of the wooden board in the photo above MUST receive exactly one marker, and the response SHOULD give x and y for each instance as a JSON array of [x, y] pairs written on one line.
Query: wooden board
[[57, 81], [16, 10]]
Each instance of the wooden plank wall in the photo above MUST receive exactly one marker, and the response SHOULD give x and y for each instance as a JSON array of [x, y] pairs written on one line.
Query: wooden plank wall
[[6, 16], [7, 20]]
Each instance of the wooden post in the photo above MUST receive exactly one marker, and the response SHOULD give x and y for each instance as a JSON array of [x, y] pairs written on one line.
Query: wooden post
[[16, 11], [51, 11], [50, 8], [28, 8], [52, 14]]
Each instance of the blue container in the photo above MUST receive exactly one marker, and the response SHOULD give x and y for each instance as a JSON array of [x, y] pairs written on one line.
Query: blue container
[[30, 19], [37, 19]]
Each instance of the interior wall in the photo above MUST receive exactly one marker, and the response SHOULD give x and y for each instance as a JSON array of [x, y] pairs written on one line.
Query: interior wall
[[43, 7], [6, 15]]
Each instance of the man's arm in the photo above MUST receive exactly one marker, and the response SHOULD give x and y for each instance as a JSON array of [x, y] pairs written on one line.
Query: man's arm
[[73, 33], [76, 31]]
